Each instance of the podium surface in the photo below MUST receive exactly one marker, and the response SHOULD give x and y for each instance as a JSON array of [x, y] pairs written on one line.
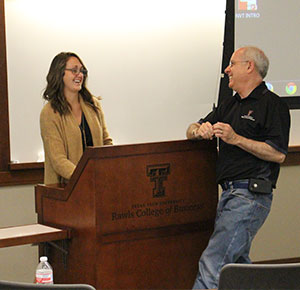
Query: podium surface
[[140, 215]]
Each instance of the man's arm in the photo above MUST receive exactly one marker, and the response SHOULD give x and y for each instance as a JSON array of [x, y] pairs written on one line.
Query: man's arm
[[200, 131], [259, 149]]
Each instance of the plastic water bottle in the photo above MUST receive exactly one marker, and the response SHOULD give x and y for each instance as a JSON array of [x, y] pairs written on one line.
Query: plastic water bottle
[[44, 272]]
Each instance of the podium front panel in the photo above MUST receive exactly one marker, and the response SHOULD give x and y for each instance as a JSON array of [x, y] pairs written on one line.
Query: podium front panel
[[140, 215]]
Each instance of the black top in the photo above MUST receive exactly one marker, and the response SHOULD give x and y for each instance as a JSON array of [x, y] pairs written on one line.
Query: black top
[[262, 116], [87, 139]]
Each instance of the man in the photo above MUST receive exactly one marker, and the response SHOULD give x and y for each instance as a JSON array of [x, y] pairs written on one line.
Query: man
[[253, 131]]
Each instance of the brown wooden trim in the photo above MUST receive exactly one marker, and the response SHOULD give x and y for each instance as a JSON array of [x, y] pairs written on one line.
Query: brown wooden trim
[[294, 149], [32, 173], [293, 157], [25, 166], [4, 128], [21, 177]]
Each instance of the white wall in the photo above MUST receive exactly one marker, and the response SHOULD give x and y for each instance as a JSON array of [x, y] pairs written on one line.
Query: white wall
[[17, 207], [294, 133], [279, 237], [156, 63]]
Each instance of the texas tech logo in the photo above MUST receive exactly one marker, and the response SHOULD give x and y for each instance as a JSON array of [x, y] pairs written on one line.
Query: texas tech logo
[[158, 174]]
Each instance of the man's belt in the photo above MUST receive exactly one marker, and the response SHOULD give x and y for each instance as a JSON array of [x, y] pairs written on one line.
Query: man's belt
[[253, 184], [243, 183]]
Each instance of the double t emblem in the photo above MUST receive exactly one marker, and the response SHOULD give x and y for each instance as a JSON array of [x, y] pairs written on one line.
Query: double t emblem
[[158, 174]]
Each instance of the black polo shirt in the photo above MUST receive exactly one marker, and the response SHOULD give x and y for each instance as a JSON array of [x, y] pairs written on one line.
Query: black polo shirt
[[262, 116]]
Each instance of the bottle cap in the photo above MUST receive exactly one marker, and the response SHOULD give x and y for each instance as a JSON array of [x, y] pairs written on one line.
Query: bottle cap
[[43, 259]]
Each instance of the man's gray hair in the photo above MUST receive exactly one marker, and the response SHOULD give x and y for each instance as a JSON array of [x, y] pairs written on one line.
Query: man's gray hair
[[260, 59]]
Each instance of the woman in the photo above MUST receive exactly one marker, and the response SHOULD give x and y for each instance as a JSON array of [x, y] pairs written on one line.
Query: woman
[[71, 120]]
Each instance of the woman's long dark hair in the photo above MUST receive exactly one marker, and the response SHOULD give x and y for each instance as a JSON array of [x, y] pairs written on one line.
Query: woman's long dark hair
[[54, 92]]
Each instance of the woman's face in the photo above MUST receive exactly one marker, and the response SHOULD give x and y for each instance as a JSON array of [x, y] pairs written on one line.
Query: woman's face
[[74, 76]]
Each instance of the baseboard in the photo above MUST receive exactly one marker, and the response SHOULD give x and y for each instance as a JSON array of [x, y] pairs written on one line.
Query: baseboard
[[279, 261]]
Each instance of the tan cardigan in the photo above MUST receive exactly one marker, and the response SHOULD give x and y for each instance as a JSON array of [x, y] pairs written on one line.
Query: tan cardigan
[[63, 142]]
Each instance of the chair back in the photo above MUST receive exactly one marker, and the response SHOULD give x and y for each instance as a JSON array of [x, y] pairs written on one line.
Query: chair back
[[260, 276], [8, 285]]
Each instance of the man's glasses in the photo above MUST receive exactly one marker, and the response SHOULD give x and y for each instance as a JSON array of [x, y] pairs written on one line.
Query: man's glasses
[[232, 63], [76, 71]]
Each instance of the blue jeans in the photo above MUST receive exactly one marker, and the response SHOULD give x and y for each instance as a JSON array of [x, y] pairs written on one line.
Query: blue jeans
[[240, 214]]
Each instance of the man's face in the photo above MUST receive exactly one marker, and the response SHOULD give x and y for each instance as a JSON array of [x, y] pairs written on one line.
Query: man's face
[[237, 70]]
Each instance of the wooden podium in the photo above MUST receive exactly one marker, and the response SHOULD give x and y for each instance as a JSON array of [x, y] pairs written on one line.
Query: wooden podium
[[140, 215]]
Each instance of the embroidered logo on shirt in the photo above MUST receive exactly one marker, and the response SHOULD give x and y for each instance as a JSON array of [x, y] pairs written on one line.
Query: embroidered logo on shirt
[[248, 116]]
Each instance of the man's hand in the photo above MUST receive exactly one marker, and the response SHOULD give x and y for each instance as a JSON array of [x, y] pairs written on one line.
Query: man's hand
[[259, 149], [197, 131], [205, 131], [226, 133]]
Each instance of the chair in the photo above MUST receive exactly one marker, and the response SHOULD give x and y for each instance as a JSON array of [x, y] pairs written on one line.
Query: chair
[[260, 276], [8, 285]]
